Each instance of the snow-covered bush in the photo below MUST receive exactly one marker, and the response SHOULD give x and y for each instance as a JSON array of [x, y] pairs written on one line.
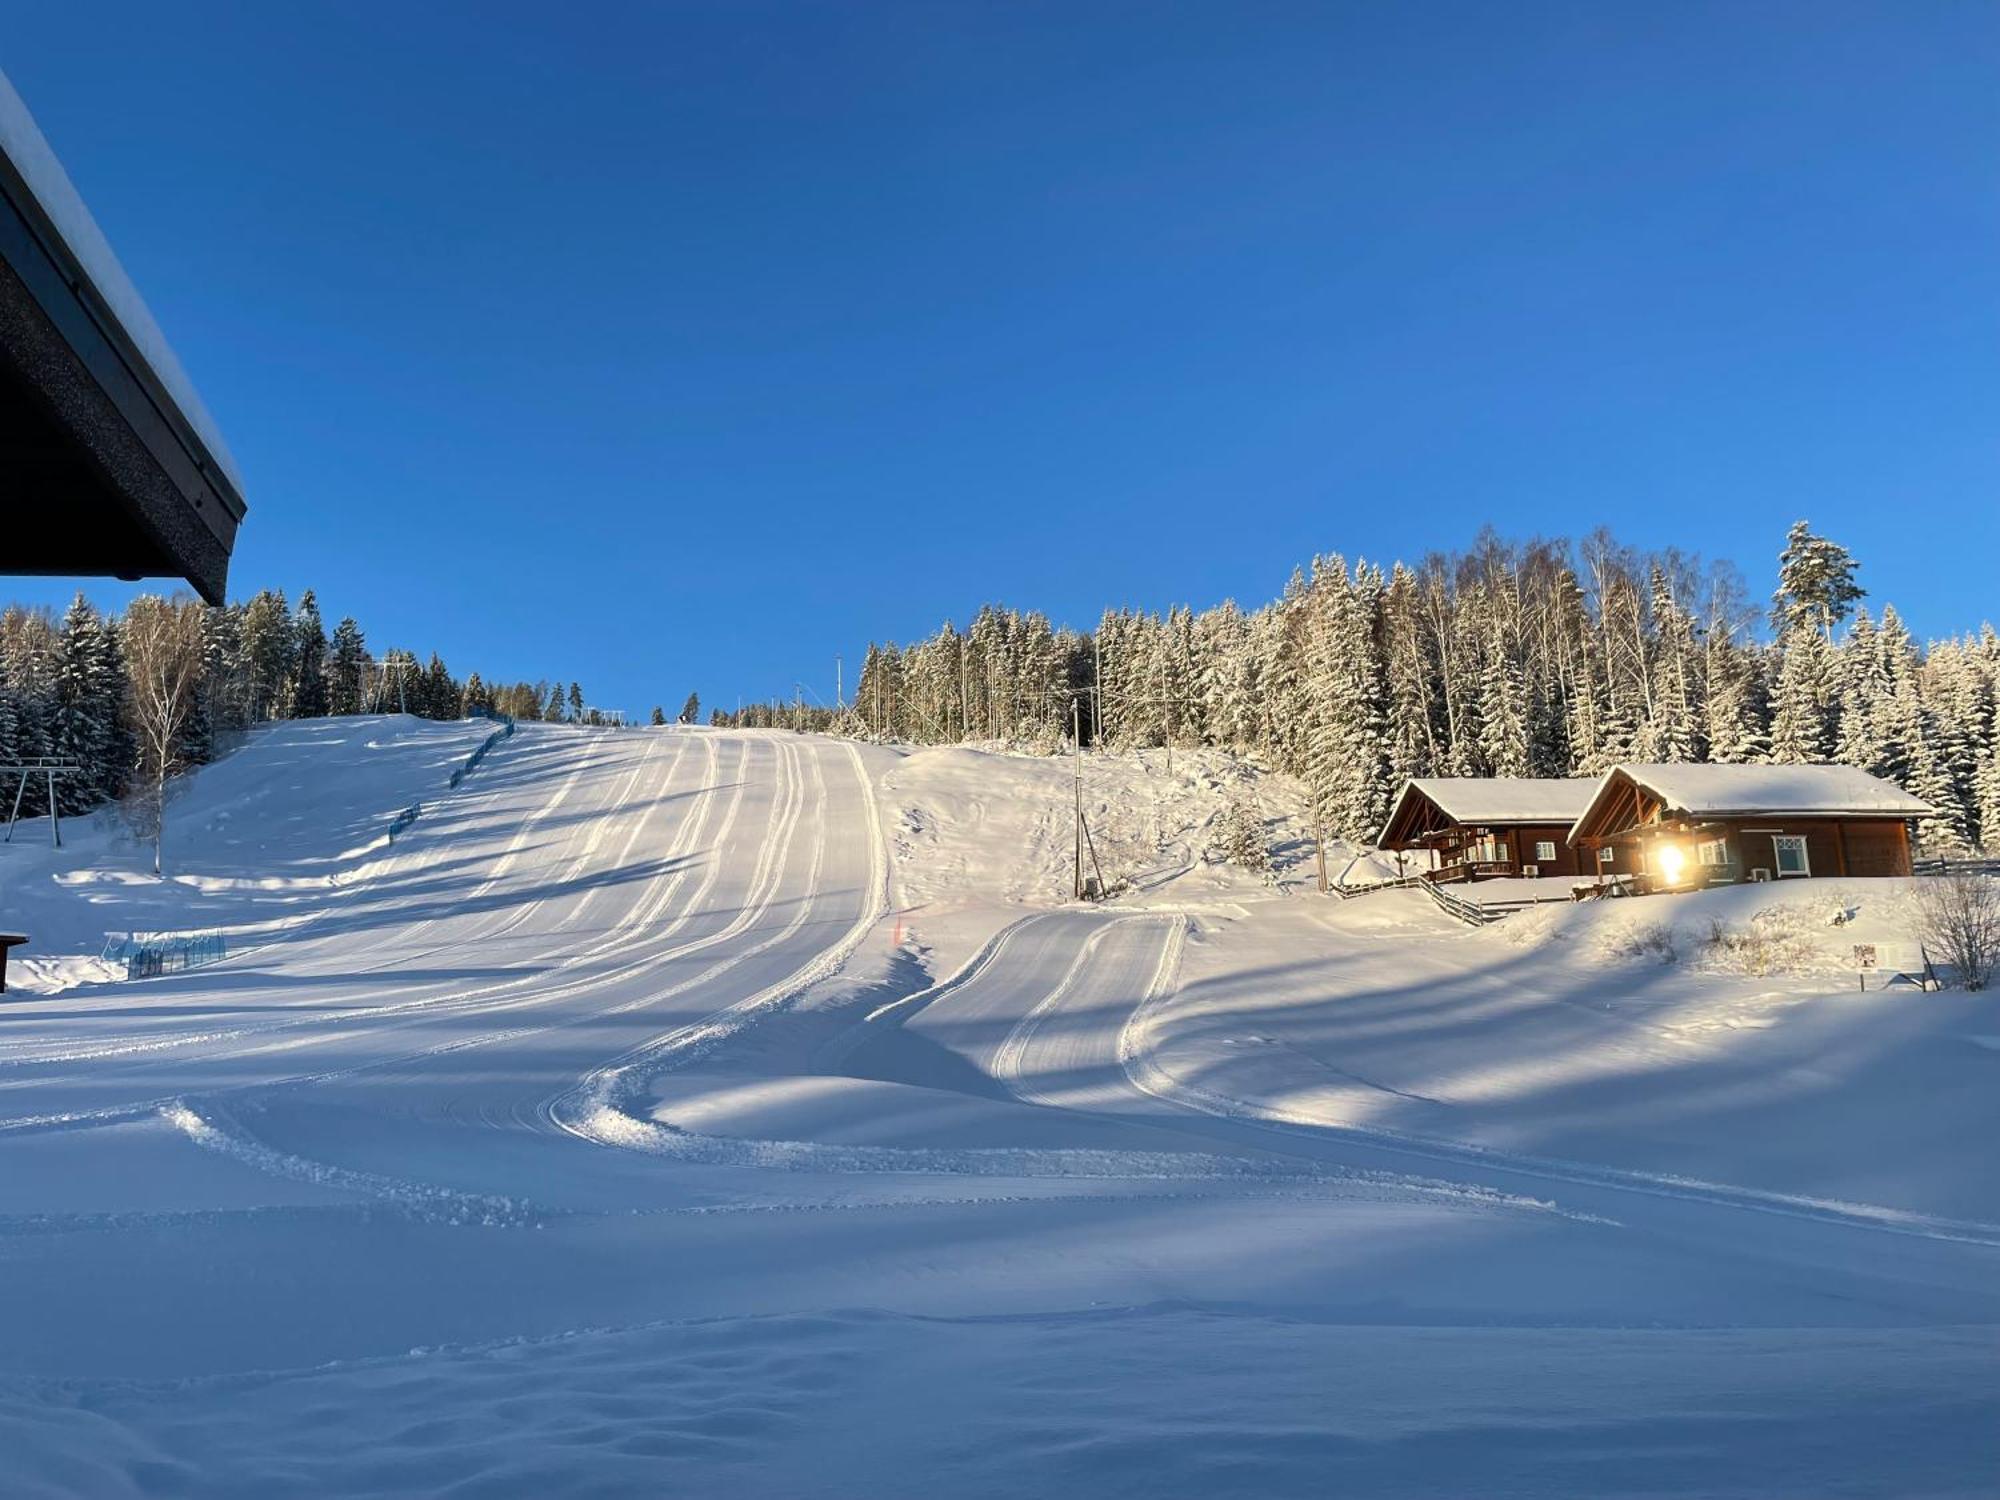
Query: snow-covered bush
[[1961, 924], [1650, 940], [1776, 940], [1239, 838]]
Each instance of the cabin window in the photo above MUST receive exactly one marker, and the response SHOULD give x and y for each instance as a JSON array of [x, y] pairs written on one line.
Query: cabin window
[[1545, 851], [1606, 855], [1487, 851], [1714, 852], [1791, 854]]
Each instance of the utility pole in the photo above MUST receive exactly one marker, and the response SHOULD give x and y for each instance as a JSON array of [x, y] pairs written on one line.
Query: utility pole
[[1083, 840], [1076, 857], [839, 686]]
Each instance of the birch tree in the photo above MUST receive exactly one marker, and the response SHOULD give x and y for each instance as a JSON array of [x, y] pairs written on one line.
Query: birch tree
[[165, 647]]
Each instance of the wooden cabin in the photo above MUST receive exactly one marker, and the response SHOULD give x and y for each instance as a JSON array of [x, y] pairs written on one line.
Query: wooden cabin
[[1686, 826], [1482, 827]]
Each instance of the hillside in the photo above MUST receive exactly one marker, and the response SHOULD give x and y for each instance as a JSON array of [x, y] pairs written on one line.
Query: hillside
[[683, 1101], [259, 841]]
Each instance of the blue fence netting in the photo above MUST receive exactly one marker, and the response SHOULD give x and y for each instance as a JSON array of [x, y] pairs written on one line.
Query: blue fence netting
[[147, 954], [410, 814], [404, 819], [472, 761]]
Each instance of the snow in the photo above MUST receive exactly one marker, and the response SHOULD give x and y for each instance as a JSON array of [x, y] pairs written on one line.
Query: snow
[[1718, 790], [256, 843], [677, 1110], [25, 146], [1489, 800]]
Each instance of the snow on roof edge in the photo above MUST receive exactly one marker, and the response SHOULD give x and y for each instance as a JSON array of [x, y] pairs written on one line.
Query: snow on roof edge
[[1562, 799], [1814, 790], [29, 150]]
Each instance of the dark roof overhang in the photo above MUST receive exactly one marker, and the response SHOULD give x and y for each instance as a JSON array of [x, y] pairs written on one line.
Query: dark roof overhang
[[103, 473]]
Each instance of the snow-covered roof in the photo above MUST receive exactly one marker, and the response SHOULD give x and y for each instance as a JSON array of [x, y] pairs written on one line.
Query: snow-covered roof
[[24, 145], [1505, 799], [1721, 791]]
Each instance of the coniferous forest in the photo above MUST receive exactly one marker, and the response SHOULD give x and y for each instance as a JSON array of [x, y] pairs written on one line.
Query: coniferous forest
[[1545, 658], [69, 687]]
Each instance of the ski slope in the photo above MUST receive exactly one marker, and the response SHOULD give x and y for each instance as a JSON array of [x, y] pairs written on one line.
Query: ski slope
[[673, 1110]]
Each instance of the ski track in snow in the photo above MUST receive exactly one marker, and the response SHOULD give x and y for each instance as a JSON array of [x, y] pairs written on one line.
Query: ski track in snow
[[628, 1002]]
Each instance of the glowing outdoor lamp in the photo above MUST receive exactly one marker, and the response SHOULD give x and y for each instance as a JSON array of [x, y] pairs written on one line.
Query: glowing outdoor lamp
[[1673, 860]]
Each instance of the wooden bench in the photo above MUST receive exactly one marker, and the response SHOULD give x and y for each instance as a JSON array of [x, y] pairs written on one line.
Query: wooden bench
[[8, 942]]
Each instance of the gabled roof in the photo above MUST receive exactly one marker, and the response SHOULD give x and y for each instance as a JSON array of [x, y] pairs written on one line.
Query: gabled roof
[[1712, 791], [1495, 801]]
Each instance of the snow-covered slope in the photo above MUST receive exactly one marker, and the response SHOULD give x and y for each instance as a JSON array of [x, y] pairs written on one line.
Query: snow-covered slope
[[676, 1110], [979, 834], [255, 843]]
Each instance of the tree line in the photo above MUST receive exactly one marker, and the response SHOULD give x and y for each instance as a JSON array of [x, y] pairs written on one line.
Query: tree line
[[133, 698], [1542, 658]]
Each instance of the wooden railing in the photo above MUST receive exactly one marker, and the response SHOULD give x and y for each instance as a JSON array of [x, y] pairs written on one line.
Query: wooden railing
[[1970, 866]]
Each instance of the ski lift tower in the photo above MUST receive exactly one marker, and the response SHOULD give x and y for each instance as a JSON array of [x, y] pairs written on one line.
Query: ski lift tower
[[46, 768]]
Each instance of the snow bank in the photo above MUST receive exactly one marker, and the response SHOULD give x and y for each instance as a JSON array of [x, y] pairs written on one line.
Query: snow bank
[[1117, 1402], [1807, 927]]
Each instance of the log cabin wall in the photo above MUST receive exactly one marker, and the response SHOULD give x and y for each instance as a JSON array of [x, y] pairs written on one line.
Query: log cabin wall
[[1833, 847]]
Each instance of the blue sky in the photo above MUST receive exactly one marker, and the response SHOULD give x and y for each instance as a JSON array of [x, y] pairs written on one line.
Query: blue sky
[[682, 346]]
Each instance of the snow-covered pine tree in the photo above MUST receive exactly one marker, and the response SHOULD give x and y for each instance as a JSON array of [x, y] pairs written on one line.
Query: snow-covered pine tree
[[1674, 732], [1370, 783], [309, 695], [1803, 723], [1955, 680], [1411, 679], [268, 641], [1816, 587], [473, 696], [1865, 693], [1735, 708], [87, 702], [1503, 725], [347, 665]]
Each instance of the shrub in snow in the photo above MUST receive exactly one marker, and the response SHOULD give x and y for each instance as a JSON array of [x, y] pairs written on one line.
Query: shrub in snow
[[1653, 940], [1774, 942], [1961, 924], [1239, 838]]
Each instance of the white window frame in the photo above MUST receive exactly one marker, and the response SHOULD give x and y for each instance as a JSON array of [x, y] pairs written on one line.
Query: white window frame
[[1606, 854], [1713, 853], [1545, 851], [1780, 843]]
